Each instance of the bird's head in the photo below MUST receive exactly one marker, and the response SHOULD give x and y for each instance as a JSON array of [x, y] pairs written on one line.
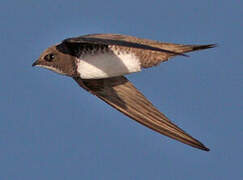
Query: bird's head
[[57, 59]]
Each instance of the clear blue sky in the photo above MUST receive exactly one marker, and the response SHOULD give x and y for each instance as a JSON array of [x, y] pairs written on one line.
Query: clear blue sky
[[52, 129]]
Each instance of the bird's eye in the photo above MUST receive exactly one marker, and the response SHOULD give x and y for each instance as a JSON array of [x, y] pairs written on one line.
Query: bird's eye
[[49, 57]]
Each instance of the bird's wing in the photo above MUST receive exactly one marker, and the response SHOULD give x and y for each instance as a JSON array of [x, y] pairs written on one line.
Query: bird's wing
[[150, 52], [122, 95], [117, 40]]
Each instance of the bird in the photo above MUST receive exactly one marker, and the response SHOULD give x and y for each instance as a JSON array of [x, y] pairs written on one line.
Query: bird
[[99, 62]]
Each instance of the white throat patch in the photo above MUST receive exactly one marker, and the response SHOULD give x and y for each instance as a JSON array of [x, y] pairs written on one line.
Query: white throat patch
[[105, 65], [52, 69]]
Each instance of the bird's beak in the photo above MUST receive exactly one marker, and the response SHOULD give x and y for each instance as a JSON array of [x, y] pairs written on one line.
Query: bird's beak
[[35, 63]]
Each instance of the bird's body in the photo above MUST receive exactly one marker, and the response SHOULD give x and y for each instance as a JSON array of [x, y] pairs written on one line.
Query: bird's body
[[98, 62], [105, 63]]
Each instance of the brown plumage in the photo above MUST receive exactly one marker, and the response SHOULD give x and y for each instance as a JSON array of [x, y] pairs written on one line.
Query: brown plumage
[[117, 91], [147, 56], [122, 95]]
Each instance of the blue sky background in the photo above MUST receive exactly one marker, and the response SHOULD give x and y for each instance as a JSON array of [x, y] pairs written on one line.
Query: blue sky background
[[52, 129]]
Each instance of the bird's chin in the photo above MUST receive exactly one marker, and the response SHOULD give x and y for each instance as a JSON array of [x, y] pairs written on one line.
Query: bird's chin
[[52, 69]]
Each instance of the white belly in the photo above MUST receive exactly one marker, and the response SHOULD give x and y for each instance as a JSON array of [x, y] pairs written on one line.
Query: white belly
[[105, 65]]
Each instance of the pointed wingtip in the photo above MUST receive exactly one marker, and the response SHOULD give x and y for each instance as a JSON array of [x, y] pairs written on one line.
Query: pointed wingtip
[[213, 45], [207, 46], [201, 146], [192, 142], [204, 148]]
